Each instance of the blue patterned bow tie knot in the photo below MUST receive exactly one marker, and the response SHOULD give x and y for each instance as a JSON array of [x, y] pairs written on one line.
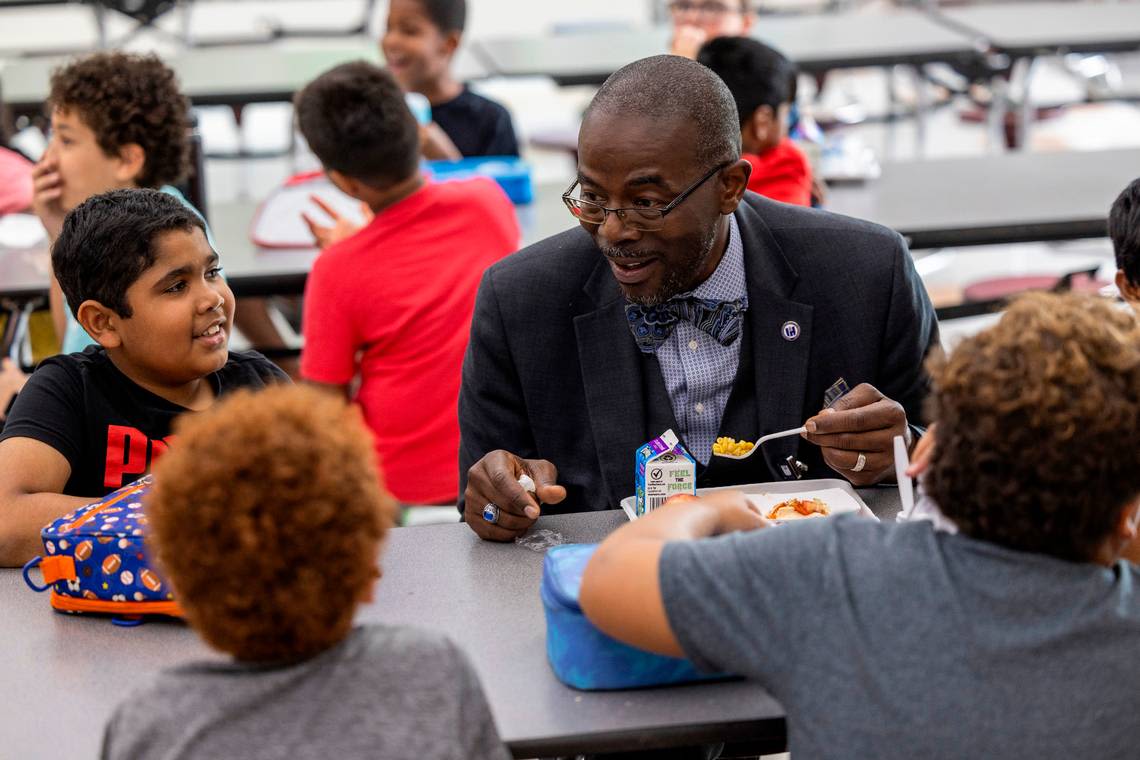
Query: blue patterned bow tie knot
[[652, 325]]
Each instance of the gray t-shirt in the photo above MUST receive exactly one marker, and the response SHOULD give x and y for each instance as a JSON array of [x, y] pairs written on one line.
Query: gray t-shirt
[[384, 692], [897, 641]]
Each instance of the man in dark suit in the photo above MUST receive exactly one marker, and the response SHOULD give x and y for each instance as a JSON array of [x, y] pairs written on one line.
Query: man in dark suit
[[683, 301]]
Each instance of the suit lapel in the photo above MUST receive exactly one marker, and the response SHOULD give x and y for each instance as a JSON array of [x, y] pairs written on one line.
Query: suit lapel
[[780, 363], [612, 379]]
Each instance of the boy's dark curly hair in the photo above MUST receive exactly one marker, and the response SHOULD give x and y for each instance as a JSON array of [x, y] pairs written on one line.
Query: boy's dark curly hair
[[1036, 421], [110, 239], [125, 99], [266, 517]]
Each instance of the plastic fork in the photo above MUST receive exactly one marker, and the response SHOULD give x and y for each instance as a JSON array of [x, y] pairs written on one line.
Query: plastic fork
[[764, 439]]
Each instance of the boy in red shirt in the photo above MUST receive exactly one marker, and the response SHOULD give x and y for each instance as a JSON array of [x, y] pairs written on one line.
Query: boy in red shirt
[[392, 303], [763, 83]]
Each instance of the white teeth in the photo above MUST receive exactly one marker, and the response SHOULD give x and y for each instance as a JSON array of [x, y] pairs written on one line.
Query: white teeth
[[213, 330]]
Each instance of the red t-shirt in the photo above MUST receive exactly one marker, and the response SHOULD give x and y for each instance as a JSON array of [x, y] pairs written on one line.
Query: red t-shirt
[[782, 174], [394, 303]]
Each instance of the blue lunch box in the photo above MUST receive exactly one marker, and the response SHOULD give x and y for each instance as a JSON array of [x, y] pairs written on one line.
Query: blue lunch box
[[582, 656]]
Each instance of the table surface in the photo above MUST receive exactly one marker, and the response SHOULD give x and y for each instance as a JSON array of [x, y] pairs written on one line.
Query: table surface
[[252, 72], [816, 43], [253, 271], [1031, 28], [440, 577], [983, 200]]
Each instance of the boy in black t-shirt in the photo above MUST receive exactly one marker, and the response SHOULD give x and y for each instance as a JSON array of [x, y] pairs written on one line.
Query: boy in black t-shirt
[[418, 44], [142, 280]]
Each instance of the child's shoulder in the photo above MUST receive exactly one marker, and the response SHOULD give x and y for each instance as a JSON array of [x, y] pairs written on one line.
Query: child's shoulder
[[244, 369]]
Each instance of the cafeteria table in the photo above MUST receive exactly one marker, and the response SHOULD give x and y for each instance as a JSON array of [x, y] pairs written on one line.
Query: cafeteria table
[[988, 200], [815, 42], [72, 671], [233, 75]]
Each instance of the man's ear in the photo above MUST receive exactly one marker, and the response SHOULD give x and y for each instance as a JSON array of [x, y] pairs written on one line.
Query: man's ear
[[1129, 290], [734, 181], [101, 323], [132, 159]]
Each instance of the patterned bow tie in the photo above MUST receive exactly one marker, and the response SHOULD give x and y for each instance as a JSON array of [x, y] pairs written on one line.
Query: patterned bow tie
[[652, 325]]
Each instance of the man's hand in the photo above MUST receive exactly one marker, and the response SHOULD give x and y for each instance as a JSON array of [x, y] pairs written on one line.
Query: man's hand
[[341, 227], [861, 424], [494, 479], [47, 188], [687, 41]]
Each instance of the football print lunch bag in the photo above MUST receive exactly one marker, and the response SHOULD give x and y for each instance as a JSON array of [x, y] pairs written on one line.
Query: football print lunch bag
[[95, 560]]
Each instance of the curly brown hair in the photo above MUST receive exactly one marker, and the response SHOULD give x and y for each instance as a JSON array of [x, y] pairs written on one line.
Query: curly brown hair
[[1038, 419], [125, 99], [266, 517]]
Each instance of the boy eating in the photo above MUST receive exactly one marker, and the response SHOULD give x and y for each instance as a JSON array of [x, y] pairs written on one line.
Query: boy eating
[[1012, 638], [419, 43], [141, 279], [763, 84], [267, 520]]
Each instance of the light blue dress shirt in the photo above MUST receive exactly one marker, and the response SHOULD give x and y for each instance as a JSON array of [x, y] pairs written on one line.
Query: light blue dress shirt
[[698, 371]]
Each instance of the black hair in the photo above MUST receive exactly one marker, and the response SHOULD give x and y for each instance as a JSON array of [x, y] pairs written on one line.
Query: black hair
[[356, 121], [448, 15], [108, 241], [1124, 229], [672, 87], [756, 74]]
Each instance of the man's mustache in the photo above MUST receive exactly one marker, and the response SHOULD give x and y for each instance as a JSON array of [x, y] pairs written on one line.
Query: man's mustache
[[612, 252]]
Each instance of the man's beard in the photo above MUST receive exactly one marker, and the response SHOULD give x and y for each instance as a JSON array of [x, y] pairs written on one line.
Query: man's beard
[[677, 280]]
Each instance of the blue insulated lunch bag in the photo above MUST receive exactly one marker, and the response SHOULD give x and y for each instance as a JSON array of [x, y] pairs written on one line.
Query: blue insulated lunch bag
[[582, 656]]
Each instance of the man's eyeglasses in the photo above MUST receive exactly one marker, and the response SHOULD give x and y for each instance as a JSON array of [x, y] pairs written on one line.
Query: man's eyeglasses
[[705, 8], [644, 218]]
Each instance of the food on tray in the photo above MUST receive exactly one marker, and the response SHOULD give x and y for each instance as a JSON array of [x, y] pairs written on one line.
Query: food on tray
[[798, 509], [732, 447], [681, 497]]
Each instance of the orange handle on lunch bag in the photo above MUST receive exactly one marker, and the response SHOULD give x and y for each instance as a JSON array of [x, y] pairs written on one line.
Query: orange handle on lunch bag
[[58, 568]]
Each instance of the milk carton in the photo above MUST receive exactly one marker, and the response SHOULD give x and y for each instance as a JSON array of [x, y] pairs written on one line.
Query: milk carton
[[664, 469]]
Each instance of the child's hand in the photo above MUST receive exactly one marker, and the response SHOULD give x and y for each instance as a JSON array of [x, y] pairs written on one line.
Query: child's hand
[[12, 380], [341, 227], [47, 187], [923, 453], [436, 145], [687, 41], [735, 512]]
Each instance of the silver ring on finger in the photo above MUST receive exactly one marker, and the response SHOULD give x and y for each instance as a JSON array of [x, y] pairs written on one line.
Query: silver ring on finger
[[491, 513], [860, 463]]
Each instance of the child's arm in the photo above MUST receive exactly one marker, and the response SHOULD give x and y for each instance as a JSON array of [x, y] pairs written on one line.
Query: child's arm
[[621, 590], [31, 484]]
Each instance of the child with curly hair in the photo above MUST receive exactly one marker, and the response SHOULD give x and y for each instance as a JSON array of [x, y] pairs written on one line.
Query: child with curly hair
[[1014, 637], [118, 120], [267, 519]]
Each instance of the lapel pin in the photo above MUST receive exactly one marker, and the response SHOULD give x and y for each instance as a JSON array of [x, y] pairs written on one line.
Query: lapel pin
[[790, 330]]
